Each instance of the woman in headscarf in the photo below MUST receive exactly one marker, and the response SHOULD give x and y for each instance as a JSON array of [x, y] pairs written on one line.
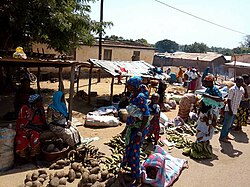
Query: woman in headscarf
[[58, 120], [137, 125], [30, 122], [208, 113], [205, 73]]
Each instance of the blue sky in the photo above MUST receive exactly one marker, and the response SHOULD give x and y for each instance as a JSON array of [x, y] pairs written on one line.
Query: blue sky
[[148, 19]]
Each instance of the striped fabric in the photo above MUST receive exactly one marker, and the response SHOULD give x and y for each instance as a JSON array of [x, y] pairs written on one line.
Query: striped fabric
[[166, 175]]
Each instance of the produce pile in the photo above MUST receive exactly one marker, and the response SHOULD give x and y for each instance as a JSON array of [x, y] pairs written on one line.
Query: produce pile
[[199, 150], [117, 147], [178, 135], [85, 163]]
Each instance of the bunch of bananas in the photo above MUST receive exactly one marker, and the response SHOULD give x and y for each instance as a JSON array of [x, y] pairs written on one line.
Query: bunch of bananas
[[199, 150], [180, 140], [117, 147]]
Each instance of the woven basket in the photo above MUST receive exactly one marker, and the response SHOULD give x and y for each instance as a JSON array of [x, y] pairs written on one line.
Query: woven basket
[[52, 156]]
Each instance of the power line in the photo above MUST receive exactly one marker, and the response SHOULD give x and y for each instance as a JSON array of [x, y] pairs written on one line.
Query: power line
[[200, 18]]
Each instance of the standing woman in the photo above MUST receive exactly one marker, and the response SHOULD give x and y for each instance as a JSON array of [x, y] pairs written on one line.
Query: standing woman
[[137, 126], [58, 120]]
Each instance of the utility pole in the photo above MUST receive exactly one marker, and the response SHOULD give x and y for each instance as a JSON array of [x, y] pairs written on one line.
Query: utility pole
[[100, 34]]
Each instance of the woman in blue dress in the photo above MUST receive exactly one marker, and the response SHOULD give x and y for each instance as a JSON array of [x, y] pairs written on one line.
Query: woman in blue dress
[[137, 126]]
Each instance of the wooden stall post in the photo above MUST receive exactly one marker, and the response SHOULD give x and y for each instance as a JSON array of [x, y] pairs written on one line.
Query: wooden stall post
[[38, 80], [112, 88], [99, 75], [71, 90], [61, 87], [78, 78], [90, 78]]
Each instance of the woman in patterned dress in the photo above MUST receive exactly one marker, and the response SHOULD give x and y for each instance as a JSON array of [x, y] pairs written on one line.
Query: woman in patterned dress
[[137, 126], [30, 122]]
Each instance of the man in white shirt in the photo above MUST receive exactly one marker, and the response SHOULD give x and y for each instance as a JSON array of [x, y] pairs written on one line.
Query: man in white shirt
[[235, 95]]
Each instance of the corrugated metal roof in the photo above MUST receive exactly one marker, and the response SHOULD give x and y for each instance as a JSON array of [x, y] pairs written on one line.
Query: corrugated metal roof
[[195, 56], [238, 64], [134, 68]]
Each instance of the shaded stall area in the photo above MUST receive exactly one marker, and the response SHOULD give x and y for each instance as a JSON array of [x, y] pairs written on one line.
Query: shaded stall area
[[60, 64], [120, 68]]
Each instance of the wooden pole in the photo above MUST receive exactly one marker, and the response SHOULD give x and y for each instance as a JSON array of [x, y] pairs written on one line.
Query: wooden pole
[[71, 90], [90, 77], [38, 80], [78, 78], [99, 75], [112, 88], [100, 31], [61, 87], [234, 67]]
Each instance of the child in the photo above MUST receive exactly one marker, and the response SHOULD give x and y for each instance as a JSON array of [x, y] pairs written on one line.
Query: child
[[161, 91], [154, 109]]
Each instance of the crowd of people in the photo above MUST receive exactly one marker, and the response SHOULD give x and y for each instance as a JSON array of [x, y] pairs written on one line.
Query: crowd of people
[[190, 78], [143, 114], [208, 107]]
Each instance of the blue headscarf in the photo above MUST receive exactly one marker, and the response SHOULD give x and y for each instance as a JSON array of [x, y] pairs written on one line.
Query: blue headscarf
[[33, 98], [135, 81], [205, 73], [58, 105]]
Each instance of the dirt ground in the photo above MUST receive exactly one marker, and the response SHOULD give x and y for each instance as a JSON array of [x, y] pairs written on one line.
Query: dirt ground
[[229, 165]]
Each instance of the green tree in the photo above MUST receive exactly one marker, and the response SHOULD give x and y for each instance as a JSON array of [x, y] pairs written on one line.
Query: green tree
[[196, 48], [247, 41], [142, 41], [220, 50], [114, 37], [61, 24], [166, 46]]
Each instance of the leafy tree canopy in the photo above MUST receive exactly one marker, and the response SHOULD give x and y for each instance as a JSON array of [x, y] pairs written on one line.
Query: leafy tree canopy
[[61, 24], [131, 41], [166, 46], [246, 41], [196, 48]]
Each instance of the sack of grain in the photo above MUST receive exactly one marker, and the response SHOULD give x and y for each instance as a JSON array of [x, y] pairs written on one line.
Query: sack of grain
[[7, 137]]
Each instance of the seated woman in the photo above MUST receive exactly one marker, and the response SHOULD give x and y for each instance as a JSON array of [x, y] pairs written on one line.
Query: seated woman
[[58, 121], [30, 122]]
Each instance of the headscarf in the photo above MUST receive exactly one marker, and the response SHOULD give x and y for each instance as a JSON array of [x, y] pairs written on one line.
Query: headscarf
[[33, 98], [205, 73], [135, 81], [58, 104], [209, 78]]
